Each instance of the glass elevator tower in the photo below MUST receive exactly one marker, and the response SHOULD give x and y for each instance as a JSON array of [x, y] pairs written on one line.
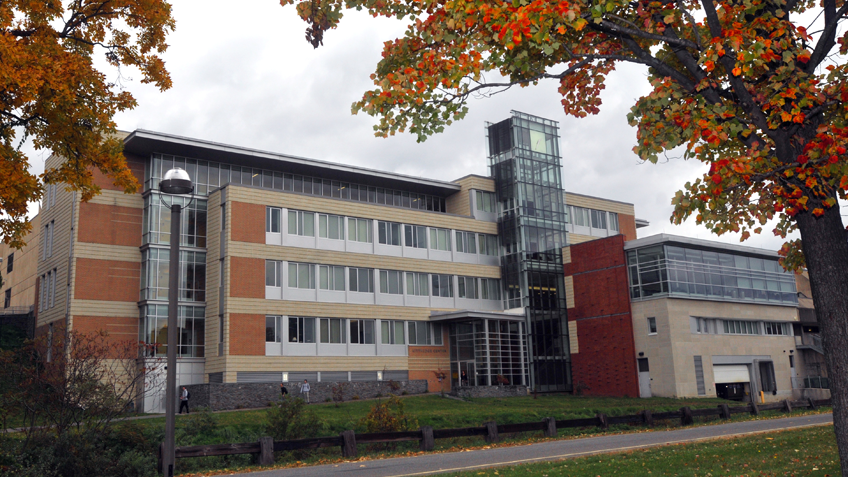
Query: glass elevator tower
[[524, 161]]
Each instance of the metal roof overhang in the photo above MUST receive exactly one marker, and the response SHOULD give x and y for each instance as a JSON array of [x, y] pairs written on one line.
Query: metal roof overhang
[[463, 315], [144, 143]]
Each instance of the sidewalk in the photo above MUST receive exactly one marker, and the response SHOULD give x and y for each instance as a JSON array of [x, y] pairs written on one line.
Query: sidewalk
[[430, 464]]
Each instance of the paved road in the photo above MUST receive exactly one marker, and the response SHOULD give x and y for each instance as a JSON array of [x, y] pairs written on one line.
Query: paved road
[[430, 464]]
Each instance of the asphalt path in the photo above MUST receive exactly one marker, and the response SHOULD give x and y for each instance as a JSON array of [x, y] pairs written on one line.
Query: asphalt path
[[437, 463]]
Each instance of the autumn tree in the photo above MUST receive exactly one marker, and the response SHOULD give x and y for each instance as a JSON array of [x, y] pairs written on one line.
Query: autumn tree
[[52, 92], [741, 85]]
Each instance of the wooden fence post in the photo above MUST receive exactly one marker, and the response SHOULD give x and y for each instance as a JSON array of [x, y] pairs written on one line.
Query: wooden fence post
[[686, 416], [812, 404], [428, 443], [159, 458], [492, 432], [603, 422], [550, 427], [266, 451], [648, 418], [724, 411], [754, 409], [348, 444], [787, 406]]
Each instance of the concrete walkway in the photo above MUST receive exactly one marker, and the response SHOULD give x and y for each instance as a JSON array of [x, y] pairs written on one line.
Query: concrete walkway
[[429, 464]]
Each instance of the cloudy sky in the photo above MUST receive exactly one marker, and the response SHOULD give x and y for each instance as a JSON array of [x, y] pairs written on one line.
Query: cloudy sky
[[245, 75]]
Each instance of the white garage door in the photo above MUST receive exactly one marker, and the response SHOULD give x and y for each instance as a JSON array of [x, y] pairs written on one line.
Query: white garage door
[[731, 373]]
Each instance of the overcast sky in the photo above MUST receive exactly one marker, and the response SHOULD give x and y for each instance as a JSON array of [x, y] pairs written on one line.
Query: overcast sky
[[245, 75]]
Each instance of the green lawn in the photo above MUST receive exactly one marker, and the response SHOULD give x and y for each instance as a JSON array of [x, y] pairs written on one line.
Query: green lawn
[[810, 451]]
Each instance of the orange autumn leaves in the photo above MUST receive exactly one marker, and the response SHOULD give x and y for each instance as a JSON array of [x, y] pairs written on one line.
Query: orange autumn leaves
[[55, 96]]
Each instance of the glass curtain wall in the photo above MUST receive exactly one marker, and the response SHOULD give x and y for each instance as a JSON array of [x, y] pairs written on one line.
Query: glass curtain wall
[[524, 160], [487, 353]]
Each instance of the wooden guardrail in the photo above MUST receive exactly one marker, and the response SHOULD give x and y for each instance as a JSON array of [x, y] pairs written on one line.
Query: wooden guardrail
[[426, 435]]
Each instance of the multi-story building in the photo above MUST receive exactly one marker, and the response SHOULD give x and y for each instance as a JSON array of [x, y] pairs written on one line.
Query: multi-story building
[[680, 317]]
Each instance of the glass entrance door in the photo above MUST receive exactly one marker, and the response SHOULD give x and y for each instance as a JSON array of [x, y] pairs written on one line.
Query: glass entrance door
[[467, 374]]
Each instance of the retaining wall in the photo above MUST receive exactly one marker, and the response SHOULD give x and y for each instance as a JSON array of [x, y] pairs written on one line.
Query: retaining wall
[[489, 391]]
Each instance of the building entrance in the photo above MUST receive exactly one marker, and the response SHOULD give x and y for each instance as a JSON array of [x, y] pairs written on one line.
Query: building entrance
[[488, 352]]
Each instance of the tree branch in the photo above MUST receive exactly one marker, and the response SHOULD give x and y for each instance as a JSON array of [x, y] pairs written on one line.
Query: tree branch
[[828, 37]]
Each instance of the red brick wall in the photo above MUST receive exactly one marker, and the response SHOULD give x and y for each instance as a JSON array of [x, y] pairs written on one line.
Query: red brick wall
[[135, 164], [606, 359], [247, 334], [247, 277], [247, 222], [109, 280], [110, 224], [122, 331]]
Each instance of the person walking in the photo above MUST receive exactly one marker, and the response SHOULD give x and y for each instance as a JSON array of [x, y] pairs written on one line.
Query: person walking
[[283, 391], [184, 396], [304, 389]]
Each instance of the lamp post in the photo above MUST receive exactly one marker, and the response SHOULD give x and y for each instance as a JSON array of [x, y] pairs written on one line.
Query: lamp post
[[175, 182]]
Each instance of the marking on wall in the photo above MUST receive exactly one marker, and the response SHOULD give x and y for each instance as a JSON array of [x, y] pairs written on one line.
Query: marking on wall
[[573, 346], [569, 292]]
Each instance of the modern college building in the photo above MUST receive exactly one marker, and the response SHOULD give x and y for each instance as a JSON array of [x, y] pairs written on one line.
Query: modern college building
[[295, 269]]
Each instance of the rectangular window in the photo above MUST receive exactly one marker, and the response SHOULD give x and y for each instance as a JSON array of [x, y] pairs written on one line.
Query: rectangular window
[[466, 242], [361, 331], [359, 230], [301, 275], [442, 285], [391, 282], [415, 236], [331, 277], [389, 233], [777, 329], [736, 327], [490, 289], [272, 219], [301, 223], [467, 287], [10, 263], [7, 298], [332, 330], [416, 284], [599, 219], [301, 330], [652, 326], [580, 216], [273, 329], [488, 244], [440, 239], [331, 227], [486, 201], [424, 333], [391, 332], [272, 273], [613, 221], [52, 289], [361, 280]]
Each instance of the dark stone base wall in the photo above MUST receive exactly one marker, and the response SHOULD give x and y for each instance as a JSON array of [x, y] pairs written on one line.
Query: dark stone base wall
[[227, 396], [489, 391]]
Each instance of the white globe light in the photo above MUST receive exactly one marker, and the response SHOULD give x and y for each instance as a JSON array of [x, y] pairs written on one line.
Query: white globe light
[[176, 182]]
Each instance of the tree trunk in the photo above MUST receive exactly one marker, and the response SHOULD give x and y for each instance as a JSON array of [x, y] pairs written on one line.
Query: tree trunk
[[826, 253]]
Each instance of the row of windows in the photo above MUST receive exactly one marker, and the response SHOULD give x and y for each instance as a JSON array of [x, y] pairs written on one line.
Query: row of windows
[[388, 233], [353, 331], [47, 294], [49, 198], [209, 175], [593, 218], [732, 327], [332, 277]]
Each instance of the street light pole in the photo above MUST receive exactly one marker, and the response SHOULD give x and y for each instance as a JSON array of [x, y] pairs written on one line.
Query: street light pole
[[175, 182]]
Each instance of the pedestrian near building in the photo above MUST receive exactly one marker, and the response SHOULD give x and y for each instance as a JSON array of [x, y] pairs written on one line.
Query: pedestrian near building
[[184, 397], [283, 391], [304, 390]]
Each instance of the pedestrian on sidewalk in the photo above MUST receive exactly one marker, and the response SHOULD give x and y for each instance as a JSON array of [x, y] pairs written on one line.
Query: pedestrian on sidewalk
[[184, 397], [304, 390]]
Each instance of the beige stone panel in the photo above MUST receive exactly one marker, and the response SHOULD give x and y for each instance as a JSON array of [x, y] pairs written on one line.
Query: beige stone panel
[[101, 251], [104, 308], [573, 343], [357, 209], [569, 292], [657, 347], [459, 203], [114, 197], [476, 182], [330, 310], [599, 204], [328, 257], [314, 363], [22, 280], [574, 239], [566, 255], [213, 280], [64, 214]]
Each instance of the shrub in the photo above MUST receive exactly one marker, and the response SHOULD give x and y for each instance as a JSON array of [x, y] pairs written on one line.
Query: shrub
[[290, 419], [338, 391], [388, 416]]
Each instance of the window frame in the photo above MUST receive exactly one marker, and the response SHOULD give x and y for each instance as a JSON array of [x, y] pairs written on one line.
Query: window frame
[[652, 325], [324, 221], [301, 324], [300, 223], [326, 323], [436, 284], [386, 231], [413, 288], [361, 330], [354, 230], [385, 284], [355, 279], [269, 220], [415, 236], [297, 278]]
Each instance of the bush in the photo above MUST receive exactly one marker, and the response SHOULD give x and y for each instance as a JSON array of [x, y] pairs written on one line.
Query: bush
[[290, 419], [388, 416]]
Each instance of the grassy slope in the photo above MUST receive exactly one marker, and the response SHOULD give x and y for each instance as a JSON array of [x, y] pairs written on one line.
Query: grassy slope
[[803, 452]]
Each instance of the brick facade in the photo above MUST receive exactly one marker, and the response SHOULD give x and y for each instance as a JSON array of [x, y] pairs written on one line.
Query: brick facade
[[627, 226], [110, 224], [248, 222], [249, 339], [109, 280], [247, 277], [605, 364], [135, 164]]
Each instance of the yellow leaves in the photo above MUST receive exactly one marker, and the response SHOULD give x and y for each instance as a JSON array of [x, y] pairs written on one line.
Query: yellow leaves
[[579, 24], [737, 71]]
